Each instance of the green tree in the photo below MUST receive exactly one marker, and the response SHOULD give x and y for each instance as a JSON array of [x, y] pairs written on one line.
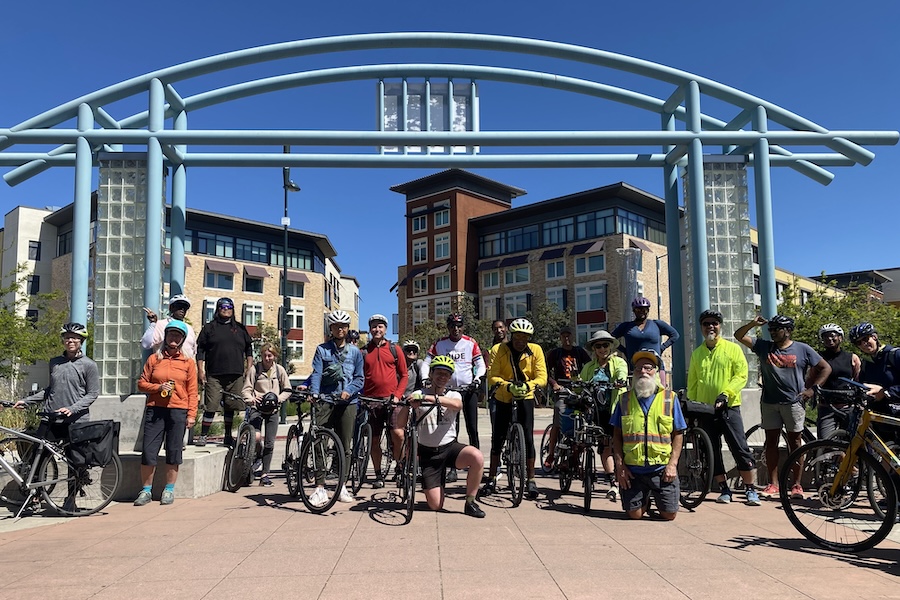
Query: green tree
[[548, 319], [856, 306], [23, 340], [268, 333]]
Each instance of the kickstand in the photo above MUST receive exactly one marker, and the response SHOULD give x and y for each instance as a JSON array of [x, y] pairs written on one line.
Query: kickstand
[[27, 505]]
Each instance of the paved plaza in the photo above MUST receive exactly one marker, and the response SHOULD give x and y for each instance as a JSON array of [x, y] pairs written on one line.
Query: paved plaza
[[262, 543]]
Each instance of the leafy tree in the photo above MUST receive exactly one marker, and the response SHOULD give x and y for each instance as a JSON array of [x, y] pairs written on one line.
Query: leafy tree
[[268, 333], [548, 319], [849, 310], [25, 341]]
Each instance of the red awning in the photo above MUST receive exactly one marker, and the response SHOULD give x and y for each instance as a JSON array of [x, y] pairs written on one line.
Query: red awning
[[221, 266], [168, 260], [255, 271], [641, 245], [586, 248], [297, 277]]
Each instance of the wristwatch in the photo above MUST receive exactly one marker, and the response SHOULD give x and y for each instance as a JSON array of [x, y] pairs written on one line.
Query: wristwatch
[[887, 394]]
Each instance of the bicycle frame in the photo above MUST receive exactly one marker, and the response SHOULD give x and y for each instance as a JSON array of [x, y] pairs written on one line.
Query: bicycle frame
[[28, 482], [865, 437]]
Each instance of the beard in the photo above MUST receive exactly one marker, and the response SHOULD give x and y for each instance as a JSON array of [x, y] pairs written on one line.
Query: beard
[[645, 386]]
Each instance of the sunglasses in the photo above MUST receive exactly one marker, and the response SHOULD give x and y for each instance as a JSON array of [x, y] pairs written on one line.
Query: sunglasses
[[601, 345], [776, 328], [710, 324]]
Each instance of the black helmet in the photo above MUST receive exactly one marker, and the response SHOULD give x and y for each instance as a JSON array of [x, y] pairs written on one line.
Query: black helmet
[[782, 321], [268, 404], [862, 331], [710, 314], [456, 317], [224, 302], [353, 335]]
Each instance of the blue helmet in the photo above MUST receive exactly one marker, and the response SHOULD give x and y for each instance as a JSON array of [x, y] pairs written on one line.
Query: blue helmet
[[176, 325]]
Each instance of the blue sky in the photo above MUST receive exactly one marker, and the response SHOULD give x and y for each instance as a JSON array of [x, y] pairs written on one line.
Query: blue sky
[[837, 68]]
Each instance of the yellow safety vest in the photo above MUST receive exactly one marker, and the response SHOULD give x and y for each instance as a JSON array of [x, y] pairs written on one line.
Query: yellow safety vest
[[647, 439]]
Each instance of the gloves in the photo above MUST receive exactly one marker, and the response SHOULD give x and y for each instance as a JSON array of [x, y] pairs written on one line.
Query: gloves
[[518, 390], [721, 402], [476, 383], [417, 395]]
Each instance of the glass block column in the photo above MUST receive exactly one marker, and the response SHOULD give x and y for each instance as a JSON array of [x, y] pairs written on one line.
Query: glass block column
[[728, 249], [119, 251]]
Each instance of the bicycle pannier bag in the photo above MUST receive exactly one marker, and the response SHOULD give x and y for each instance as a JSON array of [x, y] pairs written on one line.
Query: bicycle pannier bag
[[93, 443]]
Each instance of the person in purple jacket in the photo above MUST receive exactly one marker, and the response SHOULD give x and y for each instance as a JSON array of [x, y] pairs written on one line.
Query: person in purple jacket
[[645, 334]]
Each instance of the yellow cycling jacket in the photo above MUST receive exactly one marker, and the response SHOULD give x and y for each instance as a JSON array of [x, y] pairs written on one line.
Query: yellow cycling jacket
[[531, 363]]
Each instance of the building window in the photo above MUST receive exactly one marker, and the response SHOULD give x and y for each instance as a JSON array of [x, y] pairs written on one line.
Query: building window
[[419, 223], [31, 315], [489, 308], [556, 269], [295, 348], [209, 310], [420, 286], [64, 243], [34, 284], [420, 251], [442, 218], [252, 313], [779, 289], [559, 231], [252, 251], [419, 313], [442, 246], [515, 305], [584, 332], [441, 310], [590, 264], [295, 318], [491, 279], [557, 296], [34, 251], [253, 284], [220, 281], [755, 251], [804, 297], [590, 296], [516, 276], [442, 283], [491, 244], [756, 284], [595, 224], [297, 259], [294, 289], [523, 238]]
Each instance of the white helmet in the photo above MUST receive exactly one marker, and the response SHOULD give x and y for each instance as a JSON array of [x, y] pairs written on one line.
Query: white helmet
[[338, 316], [376, 318], [831, 328], [179, 298]]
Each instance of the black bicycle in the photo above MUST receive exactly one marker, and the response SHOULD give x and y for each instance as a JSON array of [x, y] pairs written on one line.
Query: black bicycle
[[318, 470], [362, 443], [695, 465], [409, 455], [239, 461]]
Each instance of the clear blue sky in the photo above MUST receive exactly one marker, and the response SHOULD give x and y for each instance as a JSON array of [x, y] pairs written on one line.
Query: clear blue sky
[[833, 63]]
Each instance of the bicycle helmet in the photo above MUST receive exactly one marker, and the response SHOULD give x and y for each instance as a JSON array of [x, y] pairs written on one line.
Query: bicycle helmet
[[353, 336], [76, 328], [226, 302], [455, 318], [178, 299], [710, 314], [338, 316], [443, 362], [378, 318], [831, 328], [268, 404], [862, 331], [411, 344], [781, 321], [640, 302], [521, 326], [179, 326]]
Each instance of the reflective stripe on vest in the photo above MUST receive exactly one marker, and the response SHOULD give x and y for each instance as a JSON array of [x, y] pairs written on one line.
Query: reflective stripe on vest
[[647, 438]]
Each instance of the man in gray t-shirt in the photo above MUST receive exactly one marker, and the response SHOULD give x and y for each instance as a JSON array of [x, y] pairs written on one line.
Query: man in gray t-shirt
[[789, 371]]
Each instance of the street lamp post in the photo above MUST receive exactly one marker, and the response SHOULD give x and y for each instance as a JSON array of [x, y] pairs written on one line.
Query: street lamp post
[[289, 186]]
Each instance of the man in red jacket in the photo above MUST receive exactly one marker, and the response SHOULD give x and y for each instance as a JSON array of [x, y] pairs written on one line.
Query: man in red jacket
[[384, 369]]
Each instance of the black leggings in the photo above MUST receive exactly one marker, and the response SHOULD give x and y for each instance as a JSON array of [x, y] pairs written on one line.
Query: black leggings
[[470, 412], [502, 419], [731, 426]]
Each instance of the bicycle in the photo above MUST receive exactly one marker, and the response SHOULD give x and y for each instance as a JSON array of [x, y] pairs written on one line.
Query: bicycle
[[35, 465], [833, 474], [695, 465], [292, 445], [320, 461], [239, 461], [362, 443], [409, 455], [512, 454]]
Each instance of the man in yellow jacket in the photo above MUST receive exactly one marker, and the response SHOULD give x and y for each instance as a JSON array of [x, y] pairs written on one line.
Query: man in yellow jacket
[[649, 430], [516, 369]]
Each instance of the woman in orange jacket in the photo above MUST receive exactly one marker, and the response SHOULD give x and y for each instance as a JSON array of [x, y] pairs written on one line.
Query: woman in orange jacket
[[170, 382]]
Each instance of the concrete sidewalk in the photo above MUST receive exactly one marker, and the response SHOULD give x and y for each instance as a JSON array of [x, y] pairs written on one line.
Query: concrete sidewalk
[[262, 543]]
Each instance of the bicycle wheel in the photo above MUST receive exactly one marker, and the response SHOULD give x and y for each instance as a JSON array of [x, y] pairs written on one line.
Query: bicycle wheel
[[564, 463], [240, 458], [835, 521], [545, 449], [515, 466], [387, 455], [588, 467], [875, 488], [84, 491], [695, 467], [411, 468], [360, 458], [292, 460], [321, 466]]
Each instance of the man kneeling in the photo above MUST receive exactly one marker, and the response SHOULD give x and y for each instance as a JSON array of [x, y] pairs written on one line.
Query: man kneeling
[[649, 430], [438, 447]]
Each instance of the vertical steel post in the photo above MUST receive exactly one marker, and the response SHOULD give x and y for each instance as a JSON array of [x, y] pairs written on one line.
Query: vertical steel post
[[697, 205], [81, 224], [153, 252], [763, 189], [179, 215], [673, 252]]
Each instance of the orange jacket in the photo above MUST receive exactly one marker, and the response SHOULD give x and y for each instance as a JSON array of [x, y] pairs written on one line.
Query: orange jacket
[[181, 370]]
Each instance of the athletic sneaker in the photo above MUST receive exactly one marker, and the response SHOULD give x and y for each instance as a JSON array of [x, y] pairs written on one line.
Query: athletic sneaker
[[473, 510], [487, 489], [797, 492], [265, 481], [345, 495], [200, 440], [753, 498], [257, 466], [531, 490], [319, 497], [452, 476], [378, 483], [613, 494], [168, 497], [143, 498], [770, 491], [724, 498]]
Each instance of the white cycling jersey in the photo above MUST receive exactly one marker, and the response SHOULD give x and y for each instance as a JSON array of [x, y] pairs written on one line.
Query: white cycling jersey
[[465, 353]]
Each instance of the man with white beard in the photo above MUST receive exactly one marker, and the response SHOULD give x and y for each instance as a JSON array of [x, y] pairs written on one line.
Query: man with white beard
[[649, 430]]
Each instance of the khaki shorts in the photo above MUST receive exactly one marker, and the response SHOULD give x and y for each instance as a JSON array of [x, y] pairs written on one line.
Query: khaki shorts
[[214, 387], [776, 416]]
